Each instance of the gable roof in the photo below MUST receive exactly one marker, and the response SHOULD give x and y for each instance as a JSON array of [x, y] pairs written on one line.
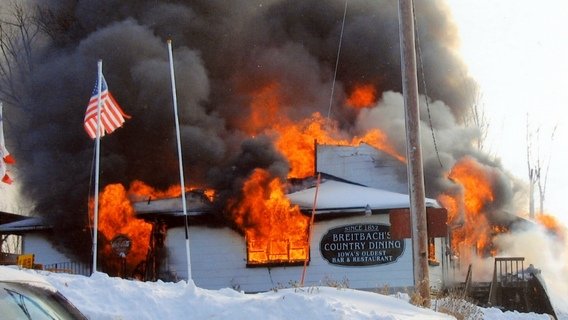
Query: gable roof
[[196, 204], [27, 224], [336, 195], [6, 217]]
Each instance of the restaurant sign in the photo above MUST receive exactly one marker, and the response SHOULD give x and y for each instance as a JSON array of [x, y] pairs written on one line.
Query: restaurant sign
[[360, 245]]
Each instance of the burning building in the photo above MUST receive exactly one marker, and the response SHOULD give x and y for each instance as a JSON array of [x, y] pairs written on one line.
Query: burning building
[[254, 88], [268, 240], [254, 85], [351, 242]]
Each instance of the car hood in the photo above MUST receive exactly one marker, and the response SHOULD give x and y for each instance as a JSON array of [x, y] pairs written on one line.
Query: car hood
[[18, 275]]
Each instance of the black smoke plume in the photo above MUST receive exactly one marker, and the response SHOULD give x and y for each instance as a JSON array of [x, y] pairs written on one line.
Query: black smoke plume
[[223, 51]]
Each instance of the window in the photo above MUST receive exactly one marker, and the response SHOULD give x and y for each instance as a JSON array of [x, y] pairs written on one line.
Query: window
[[432, 252]]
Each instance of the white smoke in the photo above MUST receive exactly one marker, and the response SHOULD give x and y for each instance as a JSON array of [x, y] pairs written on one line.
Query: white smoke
[[547, 252], [540, 247], [11, 201]]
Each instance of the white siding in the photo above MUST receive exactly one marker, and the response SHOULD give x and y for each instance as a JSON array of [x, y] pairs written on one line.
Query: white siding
[[43, 251], [218, 255], [363, 164], [218, 260], [394, 275], [438, 274]]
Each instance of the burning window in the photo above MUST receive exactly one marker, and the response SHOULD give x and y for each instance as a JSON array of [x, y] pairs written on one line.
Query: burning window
[[276, 251], [276, 232], [432, 252], [280, 238]]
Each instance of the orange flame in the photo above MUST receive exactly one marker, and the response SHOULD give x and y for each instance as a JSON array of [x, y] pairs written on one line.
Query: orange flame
[[295, 139], [265, 109], [296, 142], [275, 230], [466, 210], [552, 224], [452, 204], [363, 96], [116, 217], [139, 191]]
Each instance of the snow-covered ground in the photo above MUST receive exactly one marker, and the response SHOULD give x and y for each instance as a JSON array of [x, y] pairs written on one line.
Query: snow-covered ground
[[102, 297]]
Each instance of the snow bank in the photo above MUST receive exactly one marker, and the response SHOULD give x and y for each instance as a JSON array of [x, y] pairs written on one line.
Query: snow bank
[[102, 297]]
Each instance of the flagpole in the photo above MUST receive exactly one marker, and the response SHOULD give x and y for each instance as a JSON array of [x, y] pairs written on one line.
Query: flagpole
[[311, 230], [181, 176], [97, 163]]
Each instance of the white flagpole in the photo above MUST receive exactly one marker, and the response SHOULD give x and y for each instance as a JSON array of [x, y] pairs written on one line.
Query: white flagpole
[[311, 230], [181, 177], [97, 162]]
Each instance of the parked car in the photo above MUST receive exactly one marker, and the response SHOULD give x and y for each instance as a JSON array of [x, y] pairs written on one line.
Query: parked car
[[25, 295]]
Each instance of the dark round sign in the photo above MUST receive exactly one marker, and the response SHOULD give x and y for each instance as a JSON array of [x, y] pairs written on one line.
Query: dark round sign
[[361, 244], [121, 244]]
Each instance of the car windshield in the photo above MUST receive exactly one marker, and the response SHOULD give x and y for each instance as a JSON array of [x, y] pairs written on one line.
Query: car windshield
[[22, 301]]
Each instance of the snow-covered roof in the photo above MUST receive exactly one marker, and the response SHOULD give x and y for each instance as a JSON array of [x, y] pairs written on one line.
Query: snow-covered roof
[[333, 196], [336, 195], [196, 204], [32, 223], [6, 217]]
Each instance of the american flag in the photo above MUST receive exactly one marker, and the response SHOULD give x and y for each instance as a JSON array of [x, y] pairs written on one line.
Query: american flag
[[112, 116]]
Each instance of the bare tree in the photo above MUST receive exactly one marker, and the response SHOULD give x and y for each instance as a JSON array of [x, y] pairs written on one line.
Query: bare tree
[[543, 180], [19, 32], [533, 169], [60, 25], [476, 117], [538, 176], [10, 244]]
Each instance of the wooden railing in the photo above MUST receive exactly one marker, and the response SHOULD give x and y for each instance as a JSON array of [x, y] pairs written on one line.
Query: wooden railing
[[506, 272]]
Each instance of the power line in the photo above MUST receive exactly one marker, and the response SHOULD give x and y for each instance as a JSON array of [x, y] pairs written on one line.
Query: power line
[[337, 61], [424, 86]]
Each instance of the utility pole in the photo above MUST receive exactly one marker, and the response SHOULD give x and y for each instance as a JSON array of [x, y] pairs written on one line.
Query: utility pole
[[414, 166]]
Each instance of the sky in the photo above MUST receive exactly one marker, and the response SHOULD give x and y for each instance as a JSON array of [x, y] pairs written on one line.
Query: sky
[[517, 51], [102, 297]]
